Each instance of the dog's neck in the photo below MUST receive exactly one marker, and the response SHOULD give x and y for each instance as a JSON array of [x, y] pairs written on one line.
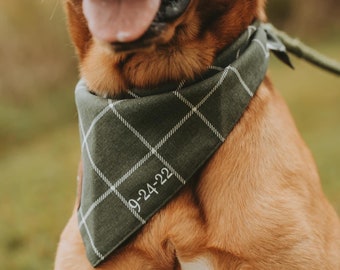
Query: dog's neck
[[147, 69], [144, 70], [193, 48]]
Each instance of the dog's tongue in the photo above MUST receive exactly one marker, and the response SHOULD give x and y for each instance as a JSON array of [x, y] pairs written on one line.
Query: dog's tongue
[[119, 20]]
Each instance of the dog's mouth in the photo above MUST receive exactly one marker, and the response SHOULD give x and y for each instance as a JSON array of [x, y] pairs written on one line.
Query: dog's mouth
[[131, 24]]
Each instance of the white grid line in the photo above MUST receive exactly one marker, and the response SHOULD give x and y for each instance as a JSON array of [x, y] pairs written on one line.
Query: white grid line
[[216, 68], [133, 169], [116, 185], [241, 81], [145, 142], [266, 53], [174, 129], [107, 182], [200, 115], [250, 30], [129, 126], [95, 250], [94, 122], [219, 83]]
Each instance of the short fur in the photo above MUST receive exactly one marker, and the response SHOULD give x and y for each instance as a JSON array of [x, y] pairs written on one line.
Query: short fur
[[257, 204]]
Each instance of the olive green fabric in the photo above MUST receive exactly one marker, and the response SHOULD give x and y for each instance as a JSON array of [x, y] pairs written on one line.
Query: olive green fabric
[[139, 150]]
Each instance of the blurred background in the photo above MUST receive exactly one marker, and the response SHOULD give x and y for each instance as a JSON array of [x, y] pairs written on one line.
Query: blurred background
[[39, 146]]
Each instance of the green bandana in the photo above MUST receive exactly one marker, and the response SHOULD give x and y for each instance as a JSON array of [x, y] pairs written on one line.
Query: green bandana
[[138, 151]]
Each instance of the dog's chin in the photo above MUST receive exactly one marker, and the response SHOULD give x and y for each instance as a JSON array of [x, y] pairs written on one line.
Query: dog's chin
[[160, 31], [158, 34]]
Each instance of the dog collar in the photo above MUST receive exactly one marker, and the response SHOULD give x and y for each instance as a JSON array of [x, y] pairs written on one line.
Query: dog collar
[[139, 151]]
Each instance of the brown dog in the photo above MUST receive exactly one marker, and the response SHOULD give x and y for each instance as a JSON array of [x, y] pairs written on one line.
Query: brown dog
[[257, 203]]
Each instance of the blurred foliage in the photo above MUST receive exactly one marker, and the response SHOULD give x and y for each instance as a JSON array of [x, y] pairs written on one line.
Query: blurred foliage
[[36, 55], [39, 147], [312, 19], [38, 70]]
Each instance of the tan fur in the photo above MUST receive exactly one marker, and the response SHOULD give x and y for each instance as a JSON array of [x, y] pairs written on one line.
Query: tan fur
[[257, 204]]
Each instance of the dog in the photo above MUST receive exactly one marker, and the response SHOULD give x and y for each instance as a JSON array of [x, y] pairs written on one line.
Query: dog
[[257, 203]]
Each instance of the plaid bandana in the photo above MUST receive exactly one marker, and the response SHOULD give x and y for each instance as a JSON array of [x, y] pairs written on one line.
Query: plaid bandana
[[138, 151]]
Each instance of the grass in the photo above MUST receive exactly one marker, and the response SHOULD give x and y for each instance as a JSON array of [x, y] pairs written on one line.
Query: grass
[[36, 194], [22, 122]]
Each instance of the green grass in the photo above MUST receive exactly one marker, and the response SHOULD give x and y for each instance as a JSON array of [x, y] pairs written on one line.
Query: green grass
[[20, 122], [40, 152], [36, 193]]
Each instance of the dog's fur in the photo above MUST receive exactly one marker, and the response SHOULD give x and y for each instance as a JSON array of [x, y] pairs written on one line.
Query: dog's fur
[[257, 204]]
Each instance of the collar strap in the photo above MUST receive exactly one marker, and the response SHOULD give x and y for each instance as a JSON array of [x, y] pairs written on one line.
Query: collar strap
[[138, 152]]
